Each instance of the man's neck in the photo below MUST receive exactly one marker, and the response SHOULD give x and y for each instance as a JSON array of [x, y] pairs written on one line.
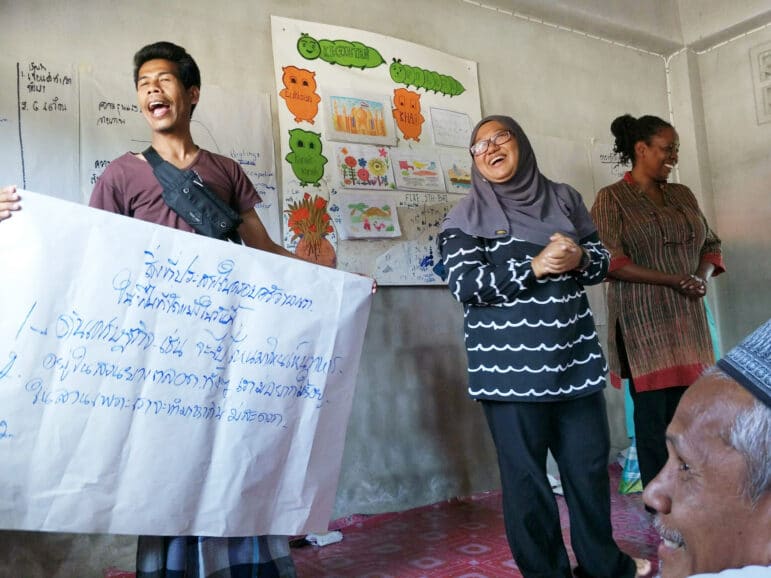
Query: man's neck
[[179, 150]]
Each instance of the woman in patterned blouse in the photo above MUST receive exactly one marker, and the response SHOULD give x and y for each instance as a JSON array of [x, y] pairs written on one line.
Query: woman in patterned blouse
[[517, 252], [663, 254]]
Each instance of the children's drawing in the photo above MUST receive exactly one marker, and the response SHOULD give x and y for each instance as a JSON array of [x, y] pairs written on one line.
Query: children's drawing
[[457, 171], [407, 113], [451, 128], [306, 159], [310, 222], [411, 260], [364, 167], [368, 216], [299, 93], [417, 171], [425, 79], [360, 119], [342, 52]]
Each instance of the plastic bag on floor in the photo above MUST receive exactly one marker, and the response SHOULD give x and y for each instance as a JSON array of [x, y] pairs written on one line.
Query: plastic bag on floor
[[630, 482], [325, 539]]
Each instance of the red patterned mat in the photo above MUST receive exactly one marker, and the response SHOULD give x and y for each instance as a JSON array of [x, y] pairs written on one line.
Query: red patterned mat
[[462, 537], [459, 538]]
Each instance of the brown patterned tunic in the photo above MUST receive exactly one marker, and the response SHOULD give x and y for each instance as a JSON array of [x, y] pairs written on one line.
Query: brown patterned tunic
[[666, 334]]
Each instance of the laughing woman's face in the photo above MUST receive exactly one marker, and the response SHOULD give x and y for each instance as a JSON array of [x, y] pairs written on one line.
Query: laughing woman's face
[[498, 163]]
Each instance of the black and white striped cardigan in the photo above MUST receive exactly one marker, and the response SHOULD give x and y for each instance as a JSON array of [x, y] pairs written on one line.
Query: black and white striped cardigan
[[527, 339]]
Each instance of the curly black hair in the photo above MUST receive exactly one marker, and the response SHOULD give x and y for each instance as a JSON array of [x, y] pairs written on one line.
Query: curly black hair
[[629, 130]]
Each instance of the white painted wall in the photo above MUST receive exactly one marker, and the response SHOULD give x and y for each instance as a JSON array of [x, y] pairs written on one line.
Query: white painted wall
[[414, 437], [740, 169], [707, 22]]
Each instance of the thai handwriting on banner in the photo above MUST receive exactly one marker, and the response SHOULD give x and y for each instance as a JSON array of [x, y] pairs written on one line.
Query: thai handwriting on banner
[[272, 389], [77, 365], [149, 298], [171, 271], [227, 349], [147, 406], [5, 370], [4, 433], [72, 325]]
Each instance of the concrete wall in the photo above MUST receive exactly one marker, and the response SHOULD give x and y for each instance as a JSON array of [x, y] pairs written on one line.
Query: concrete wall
[[705, 23], [414, 437], [740, 169]]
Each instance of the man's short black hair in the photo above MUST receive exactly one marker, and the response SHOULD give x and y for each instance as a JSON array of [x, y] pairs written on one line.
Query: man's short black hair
[[188, 69]]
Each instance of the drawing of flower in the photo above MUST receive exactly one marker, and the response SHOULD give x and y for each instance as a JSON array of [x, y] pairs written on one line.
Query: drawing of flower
[[310, 222], [350, 161], [363, 175], [378, 167]]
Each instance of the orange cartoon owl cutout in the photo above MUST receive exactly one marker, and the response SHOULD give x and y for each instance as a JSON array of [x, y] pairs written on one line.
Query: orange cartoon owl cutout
[[407, 113], [299, 93]]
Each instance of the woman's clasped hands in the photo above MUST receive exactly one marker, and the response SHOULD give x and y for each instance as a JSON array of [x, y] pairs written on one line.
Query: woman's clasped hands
[[691, 285], [561, 255]]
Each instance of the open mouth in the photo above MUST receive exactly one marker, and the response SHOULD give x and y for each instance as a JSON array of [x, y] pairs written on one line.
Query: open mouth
[[158, 108], [671, 540], [496, 160]]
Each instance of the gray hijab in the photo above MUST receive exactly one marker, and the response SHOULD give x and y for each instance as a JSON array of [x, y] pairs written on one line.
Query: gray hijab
[[529, 206]]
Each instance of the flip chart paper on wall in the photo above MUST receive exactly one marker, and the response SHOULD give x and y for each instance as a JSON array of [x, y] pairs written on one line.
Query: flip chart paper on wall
[[39, 126], [158, 382]]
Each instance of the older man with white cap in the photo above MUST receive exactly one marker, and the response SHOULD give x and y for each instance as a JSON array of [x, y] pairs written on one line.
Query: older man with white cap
[[713, 496]]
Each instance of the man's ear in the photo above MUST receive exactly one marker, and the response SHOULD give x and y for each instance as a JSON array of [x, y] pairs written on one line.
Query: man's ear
[[195, 94]]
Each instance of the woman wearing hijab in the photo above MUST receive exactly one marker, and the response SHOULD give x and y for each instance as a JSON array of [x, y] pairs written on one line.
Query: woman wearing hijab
[[517, 252]]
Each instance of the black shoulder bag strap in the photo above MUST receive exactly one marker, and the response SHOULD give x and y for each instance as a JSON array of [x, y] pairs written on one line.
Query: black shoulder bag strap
[[187, 195]]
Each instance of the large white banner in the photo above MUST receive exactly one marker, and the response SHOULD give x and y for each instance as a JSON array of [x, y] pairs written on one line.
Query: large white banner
[[158, 382]]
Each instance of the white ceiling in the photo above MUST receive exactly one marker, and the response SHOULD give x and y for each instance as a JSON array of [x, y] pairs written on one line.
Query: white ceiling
[[661, 26]]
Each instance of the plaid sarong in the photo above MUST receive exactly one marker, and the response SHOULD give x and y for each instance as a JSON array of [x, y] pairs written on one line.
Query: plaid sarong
[[204, 557]]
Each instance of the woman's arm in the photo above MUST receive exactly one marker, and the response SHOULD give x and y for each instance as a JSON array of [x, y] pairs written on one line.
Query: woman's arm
[[473, 280], [593, 268]]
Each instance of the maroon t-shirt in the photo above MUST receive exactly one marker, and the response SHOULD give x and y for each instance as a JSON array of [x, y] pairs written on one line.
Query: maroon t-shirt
[[128, 187]]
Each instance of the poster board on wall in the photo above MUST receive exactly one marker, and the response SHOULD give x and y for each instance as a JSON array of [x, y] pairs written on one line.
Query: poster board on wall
[[362, 117]]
